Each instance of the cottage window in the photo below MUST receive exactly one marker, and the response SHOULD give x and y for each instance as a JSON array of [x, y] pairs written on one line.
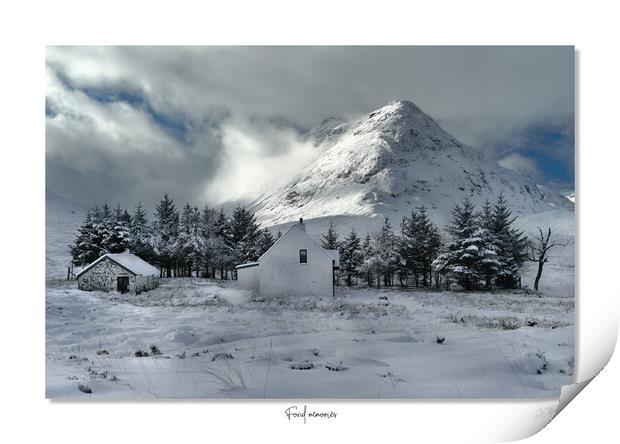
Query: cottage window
[[303, 256]]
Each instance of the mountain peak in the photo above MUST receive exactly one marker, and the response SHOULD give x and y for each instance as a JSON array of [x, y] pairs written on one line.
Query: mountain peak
[[392, 160], [398, 107]]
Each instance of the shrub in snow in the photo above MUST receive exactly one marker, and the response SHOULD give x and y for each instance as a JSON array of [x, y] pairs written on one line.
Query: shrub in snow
[[155, 350], [302, 366], [102, 352], [440, 339], [543, 362], [84, 388], [336, 367], [221, 356], [140, 354]]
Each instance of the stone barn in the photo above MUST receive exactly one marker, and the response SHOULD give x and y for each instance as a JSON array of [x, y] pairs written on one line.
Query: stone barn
[[123, 272], [295, 265]]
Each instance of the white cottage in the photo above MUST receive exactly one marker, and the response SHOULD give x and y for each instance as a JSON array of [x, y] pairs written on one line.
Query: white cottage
[[294, 266], [122, 272]]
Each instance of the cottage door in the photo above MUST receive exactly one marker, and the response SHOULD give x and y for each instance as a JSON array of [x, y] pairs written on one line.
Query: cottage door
[[122, 284]]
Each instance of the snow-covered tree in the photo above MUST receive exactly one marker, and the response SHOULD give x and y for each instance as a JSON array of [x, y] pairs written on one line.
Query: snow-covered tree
[[244, 234], [103, 229], [420, 245], [208, 218], [264, 242], [384, 258], [85, 248], [165, 231], [511, 244], [330, 238], [189, 243], [117, 237], [351, 257], [470, 257], [367, 252], [140, 234], [220, 245]]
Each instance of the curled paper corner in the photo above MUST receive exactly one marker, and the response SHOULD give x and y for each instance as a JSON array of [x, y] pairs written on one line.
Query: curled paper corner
[[543, 412], [568, 393]]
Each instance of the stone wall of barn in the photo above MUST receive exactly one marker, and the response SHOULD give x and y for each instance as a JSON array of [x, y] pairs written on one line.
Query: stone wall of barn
[[146, 283], [102, 277]]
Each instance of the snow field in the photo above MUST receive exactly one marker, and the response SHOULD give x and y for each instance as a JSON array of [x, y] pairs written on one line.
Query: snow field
[[214, 342]]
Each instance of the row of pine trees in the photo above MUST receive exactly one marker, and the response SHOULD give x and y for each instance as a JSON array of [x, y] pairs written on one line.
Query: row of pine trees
[[182, 243], [482, 249]]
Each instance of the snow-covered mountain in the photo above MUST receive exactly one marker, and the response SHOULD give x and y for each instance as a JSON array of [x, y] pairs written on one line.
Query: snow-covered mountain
[[389, 162], [569, 194]]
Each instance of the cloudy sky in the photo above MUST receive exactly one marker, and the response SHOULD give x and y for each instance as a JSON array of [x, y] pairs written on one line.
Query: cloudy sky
[[209, 124]]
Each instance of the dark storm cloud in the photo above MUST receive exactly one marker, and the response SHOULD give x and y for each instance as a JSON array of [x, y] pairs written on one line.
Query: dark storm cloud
[[127, 124]]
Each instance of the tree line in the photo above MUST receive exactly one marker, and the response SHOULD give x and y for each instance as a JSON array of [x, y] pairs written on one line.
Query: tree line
[[193, 241], [482, 249]]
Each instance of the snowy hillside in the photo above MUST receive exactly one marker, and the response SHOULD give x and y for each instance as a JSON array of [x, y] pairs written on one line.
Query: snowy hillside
[[570, 195], [62, 220], [395, 159]]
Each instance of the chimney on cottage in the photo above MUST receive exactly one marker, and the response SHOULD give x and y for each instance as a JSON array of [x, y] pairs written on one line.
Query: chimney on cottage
[[301, 224]]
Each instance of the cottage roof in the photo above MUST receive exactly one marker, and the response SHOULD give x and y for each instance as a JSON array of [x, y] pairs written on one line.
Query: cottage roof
[[130, 262]]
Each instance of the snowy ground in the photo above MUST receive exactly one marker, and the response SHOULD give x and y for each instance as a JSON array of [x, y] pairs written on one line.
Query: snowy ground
[[215, 342]]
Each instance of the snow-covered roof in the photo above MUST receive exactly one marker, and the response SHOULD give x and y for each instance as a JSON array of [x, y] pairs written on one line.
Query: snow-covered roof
[[130, 262], [247, 265]]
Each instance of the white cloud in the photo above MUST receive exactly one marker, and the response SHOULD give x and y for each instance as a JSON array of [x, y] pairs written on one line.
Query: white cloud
[[255, 159], [518, 162]]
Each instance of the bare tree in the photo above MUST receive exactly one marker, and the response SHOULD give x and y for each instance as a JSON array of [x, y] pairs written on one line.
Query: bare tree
[[538, 252]]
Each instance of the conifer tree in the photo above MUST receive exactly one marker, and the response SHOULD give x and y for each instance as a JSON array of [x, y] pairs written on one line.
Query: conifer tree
[[84, 250], [367, 253], [221, 244], [351, 257], [330, 238], [140, 234], [244, 233], [165, 231], [421, 242], [511, 243], [103, 230], [461, 260], [117, 238], [207, 226], [384, 258], [189, 243], [264, 242]]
